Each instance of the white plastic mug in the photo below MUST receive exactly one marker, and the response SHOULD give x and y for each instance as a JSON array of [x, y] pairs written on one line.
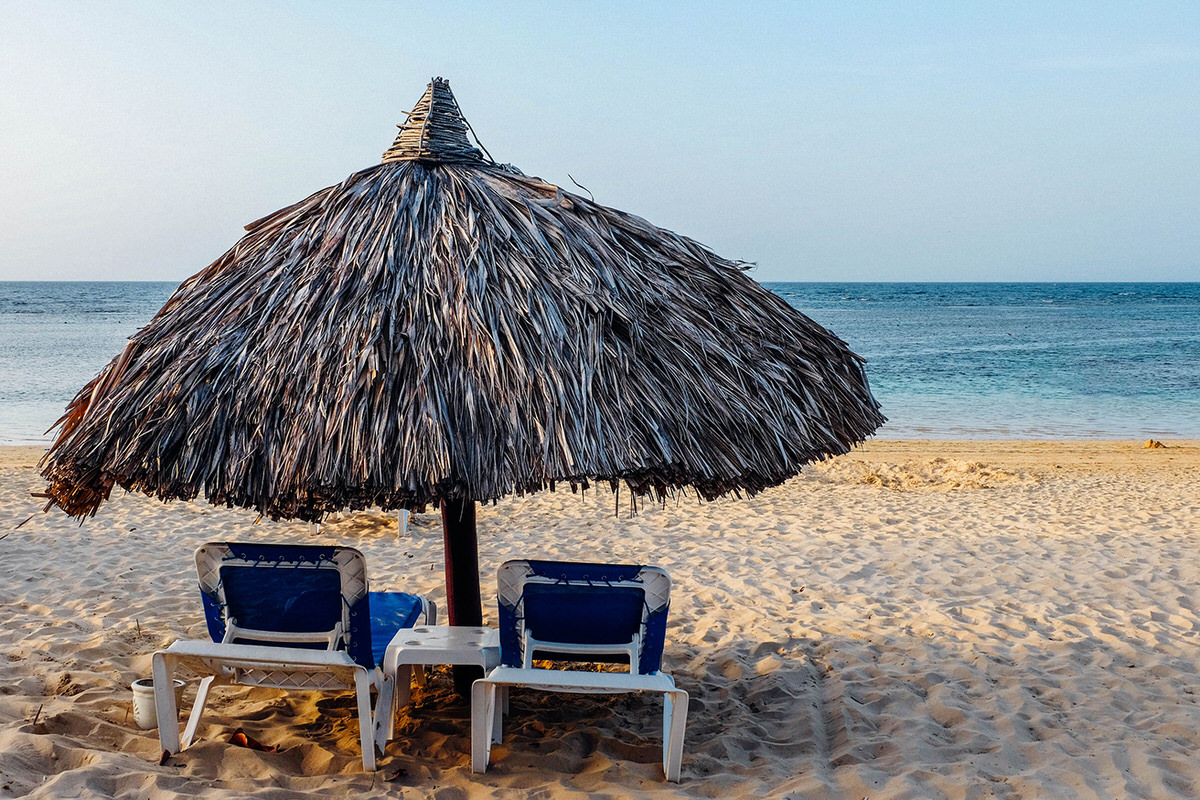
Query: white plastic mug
[[144, 712]]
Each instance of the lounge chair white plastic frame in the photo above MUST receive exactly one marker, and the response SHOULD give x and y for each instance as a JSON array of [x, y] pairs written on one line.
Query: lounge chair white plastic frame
[[489, 695], [279, 666]]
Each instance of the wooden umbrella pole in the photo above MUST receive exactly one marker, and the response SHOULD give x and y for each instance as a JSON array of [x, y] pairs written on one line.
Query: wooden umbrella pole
[[464, 605]]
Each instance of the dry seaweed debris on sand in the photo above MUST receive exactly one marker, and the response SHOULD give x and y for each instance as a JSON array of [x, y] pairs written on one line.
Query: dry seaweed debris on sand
[[442, 327]]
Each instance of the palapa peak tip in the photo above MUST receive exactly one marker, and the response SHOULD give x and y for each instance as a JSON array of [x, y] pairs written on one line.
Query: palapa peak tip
[[435, 130]]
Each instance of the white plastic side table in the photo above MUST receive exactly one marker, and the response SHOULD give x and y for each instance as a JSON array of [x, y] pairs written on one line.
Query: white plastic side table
[[425, 645]]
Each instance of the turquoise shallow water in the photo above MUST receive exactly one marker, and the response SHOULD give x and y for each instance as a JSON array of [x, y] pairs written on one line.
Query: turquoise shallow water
[[1021, 360], [950, 360]]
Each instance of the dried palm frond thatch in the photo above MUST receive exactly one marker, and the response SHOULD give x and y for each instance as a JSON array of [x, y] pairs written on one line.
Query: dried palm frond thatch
[[441, 327]]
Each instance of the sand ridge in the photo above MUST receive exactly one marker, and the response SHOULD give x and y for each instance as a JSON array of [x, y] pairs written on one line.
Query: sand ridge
[[986, 619]]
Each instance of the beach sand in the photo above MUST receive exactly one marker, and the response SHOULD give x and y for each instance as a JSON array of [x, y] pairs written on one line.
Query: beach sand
[[914, 620]]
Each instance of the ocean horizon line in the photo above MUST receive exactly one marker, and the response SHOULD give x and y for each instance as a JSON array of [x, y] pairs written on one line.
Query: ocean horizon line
[[807, 282]]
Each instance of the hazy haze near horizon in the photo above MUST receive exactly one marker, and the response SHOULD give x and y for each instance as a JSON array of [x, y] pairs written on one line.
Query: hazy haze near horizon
[[933, 141]]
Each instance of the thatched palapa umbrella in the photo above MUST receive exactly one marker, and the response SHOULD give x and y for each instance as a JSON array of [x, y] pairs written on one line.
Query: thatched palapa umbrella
[[442, 329]]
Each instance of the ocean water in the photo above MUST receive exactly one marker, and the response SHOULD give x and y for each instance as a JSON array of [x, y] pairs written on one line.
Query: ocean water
[[945, 360], [1021, 360], [54, 338]]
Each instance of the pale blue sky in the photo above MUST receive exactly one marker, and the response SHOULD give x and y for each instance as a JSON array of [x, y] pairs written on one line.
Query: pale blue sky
[[825, 141]]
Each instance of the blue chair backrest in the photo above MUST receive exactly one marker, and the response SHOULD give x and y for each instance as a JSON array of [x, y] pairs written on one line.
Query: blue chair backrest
[[287, 588], [582, 603], [290, 600]]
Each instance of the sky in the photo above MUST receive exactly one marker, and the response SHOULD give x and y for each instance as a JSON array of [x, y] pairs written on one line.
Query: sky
[[847, 141]]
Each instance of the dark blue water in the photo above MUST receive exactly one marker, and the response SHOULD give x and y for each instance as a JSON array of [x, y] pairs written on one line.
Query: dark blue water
[[950, 360]]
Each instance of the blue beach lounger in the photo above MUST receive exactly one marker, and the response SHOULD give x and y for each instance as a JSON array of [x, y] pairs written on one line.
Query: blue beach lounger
[[288, 616], [566, 611]]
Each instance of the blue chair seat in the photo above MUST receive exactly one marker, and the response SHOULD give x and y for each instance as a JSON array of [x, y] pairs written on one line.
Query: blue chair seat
[[391, 612]]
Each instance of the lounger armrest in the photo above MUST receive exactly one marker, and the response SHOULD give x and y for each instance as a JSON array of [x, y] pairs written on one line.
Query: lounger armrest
[[631, 650], [563, 680], [263, 665], [331, 639]]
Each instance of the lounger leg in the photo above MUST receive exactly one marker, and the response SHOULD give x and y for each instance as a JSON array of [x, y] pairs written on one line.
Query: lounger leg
[[675, 704], [384, 721], [498, 705], [403, 685], [422, 671], [483, 704], [164, 703], [189, 733], [362, 688]]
